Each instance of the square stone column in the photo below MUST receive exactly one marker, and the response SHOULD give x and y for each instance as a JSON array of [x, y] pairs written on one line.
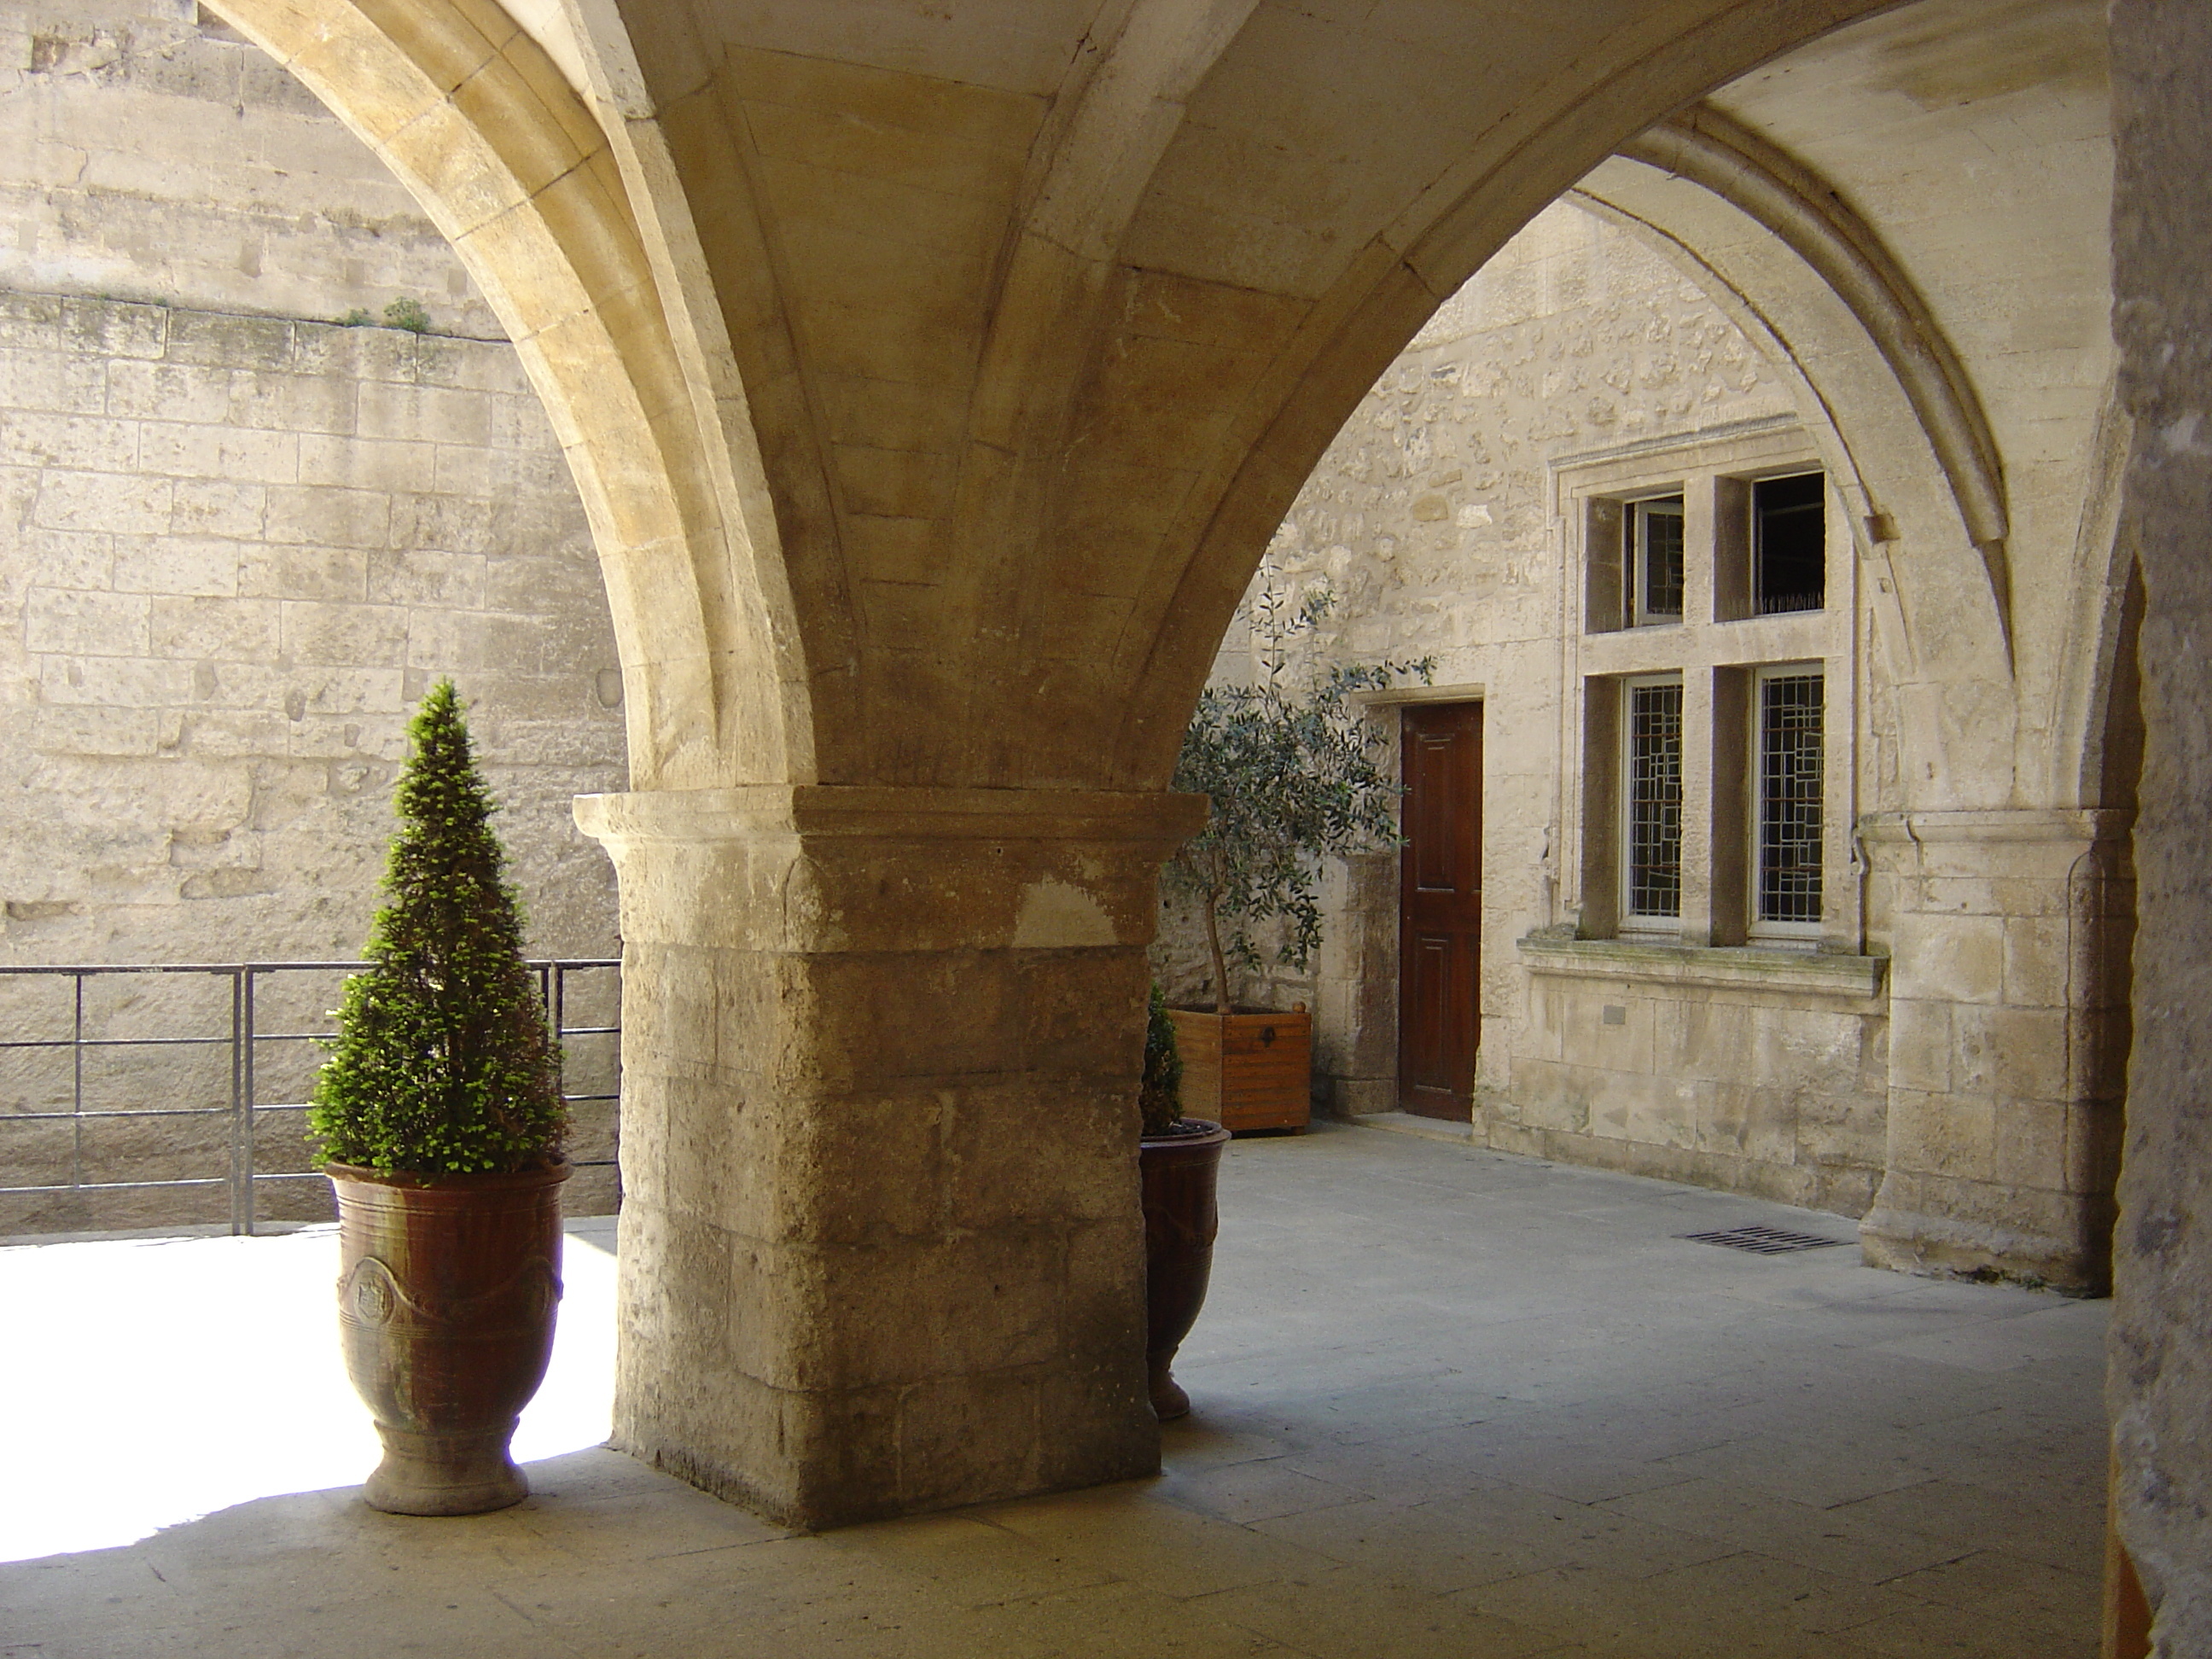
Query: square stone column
[[2008, 1040], [2159, 1388], [881, 1249]]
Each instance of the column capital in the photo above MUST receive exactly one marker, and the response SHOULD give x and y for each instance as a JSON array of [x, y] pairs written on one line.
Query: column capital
[[817, 867], [758, 811]]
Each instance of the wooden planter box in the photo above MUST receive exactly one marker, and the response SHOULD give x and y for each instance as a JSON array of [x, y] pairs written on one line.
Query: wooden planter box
[[1247, 1071]]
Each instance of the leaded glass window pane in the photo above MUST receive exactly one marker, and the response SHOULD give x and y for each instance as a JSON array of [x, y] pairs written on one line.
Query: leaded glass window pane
[[1654, 799], [1789, 781]]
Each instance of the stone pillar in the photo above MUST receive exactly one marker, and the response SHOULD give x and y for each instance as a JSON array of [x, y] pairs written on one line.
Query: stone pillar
[[2160, 1385], [2008, 1040], [881, 1249]]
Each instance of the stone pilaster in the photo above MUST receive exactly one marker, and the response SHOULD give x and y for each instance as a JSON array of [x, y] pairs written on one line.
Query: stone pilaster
[[2159, 1389], [2008, 1040], [881, 1249]]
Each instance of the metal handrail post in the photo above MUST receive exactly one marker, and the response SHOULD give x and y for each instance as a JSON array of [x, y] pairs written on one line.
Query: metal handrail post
[[76, 1086], [241, 1151], [251, 983]]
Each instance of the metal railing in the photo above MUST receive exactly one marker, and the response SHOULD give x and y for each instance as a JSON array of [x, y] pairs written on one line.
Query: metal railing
[[104, 1107]]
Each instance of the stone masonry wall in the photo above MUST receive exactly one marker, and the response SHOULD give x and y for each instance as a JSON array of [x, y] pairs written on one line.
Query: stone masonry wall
[[147, 152], [238, 540], [235, 550], [1430, 518]]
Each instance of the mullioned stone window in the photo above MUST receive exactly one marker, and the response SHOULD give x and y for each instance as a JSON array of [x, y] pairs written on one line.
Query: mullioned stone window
[[1711, 753]]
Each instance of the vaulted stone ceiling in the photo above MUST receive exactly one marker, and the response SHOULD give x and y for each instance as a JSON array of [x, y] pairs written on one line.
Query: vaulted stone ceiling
[[1008, 331]]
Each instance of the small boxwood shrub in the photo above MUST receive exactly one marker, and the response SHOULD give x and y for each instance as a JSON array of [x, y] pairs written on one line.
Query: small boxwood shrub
[[443, 1064]]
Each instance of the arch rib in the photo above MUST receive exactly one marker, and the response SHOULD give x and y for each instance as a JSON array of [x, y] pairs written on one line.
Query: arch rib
[[1707, 149], [472, 116]]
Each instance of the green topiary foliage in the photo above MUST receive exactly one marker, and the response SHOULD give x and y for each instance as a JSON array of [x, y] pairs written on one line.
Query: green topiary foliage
[[443, 1064], [1160, 1095]]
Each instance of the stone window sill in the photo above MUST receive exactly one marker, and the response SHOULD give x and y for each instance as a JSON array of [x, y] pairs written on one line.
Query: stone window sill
[[1746, 968]]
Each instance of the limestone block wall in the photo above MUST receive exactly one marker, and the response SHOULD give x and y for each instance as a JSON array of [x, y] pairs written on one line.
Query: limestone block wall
[[238, 540], [1773, 1085], [235, 550], [152, 153]]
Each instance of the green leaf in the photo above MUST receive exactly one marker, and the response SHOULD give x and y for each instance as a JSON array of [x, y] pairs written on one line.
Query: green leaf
[[1291, 772]]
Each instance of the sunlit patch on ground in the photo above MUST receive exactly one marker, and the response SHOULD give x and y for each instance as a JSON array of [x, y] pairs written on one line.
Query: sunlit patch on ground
[[152, 1382]]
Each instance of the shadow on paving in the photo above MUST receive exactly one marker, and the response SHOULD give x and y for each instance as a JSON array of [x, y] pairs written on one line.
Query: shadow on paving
[[1449, 1403]]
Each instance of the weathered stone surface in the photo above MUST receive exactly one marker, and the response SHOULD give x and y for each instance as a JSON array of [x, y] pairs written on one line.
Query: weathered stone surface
[[239, 539], [2161, 1374], [881, 1246], [161, 157], [1652, 335], [2006, 1091]]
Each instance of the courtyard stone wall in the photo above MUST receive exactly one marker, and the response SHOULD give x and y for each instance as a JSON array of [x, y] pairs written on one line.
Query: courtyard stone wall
[[1978, 794], [1434, 521], [153, 154], [238, 538], [236, 551]]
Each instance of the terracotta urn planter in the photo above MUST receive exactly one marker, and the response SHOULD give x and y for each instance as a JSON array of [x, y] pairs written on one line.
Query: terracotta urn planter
[[1247, 1070], [447, 1293], [1181, 1221]]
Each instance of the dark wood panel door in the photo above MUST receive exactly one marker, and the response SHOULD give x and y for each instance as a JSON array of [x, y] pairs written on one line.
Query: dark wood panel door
[[1440, 910]]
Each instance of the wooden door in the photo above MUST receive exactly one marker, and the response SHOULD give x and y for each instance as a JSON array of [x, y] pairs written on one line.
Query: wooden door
[[1440, 910]]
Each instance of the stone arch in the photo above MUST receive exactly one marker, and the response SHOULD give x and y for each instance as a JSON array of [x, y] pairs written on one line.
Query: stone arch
[[1416, 254], [716, 474], [1918, 460], [476, 118], [2104, 610], [1956, 501], [936, 386], [1811, 217], [993, 559]]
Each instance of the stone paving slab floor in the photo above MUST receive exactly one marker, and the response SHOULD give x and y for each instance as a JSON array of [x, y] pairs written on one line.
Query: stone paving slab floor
[[1450, 1405]]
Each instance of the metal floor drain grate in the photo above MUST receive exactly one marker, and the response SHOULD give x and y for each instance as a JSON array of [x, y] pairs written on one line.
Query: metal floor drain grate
[[1765, 1241]]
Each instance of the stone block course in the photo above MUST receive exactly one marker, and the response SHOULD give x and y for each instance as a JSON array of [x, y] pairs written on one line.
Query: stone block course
[[368, 464], [111, 503], [210, 569], [313, 399], [230, 451], [88, 442], [211, 507], [178, 566]]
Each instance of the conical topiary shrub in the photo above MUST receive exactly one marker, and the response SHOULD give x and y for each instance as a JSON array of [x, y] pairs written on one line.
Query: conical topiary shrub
[[443, 1064]]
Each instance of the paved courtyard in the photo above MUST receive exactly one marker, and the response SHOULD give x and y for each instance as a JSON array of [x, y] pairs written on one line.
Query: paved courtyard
[[1450, 1405]]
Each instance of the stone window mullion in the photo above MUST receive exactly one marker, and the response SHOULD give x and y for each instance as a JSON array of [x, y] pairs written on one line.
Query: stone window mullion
[[1700, 843]]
